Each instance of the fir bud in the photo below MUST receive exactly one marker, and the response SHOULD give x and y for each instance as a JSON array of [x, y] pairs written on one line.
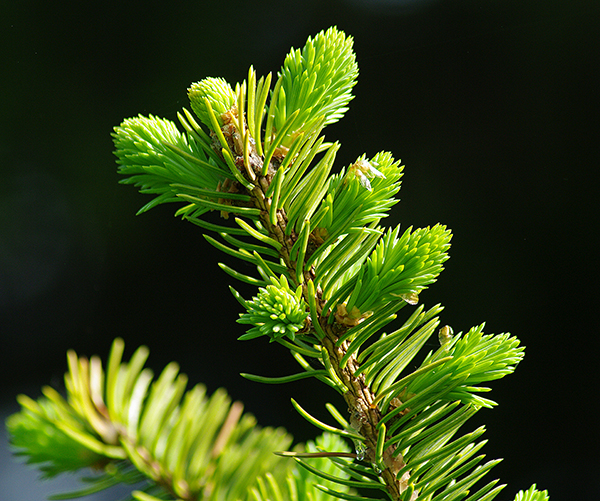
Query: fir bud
[[219, 94], [363, 170], [276, 312], [445, 335]]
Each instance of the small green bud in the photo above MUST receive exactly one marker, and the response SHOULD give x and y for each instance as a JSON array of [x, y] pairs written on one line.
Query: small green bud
[[411, 298], [364, 170], [276, 312], [445, 335], [219, 94]]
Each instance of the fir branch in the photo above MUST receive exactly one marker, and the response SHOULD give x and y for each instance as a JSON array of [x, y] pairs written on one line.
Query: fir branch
[[185, 444], [331, 278], [340, 277]]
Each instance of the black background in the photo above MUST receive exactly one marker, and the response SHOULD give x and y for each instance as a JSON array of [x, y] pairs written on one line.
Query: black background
[[491, 105]]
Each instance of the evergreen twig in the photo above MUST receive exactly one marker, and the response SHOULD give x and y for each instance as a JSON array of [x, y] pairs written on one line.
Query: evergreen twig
[[330, 278]]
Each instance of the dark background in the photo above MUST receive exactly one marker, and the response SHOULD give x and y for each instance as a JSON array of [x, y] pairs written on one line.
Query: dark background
[[491, 105]]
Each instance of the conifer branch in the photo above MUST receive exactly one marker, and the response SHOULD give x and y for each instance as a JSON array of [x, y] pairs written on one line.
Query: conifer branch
[[120, 422], [337, 277], [330, 278]]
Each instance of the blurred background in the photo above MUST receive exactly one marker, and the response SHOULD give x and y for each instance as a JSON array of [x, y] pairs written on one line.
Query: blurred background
[[491, 105]]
